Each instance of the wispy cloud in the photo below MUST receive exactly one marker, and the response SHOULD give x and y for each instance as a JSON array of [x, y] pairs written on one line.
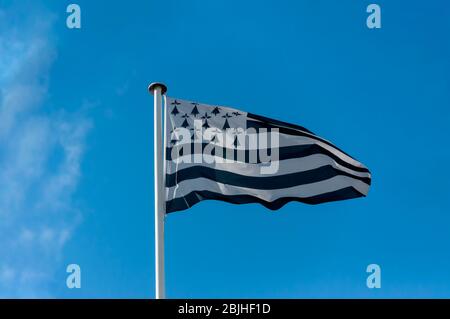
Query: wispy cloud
[[40, 156]]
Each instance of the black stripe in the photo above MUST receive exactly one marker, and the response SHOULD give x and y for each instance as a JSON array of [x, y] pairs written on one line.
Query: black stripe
[[292, 131], [277, 123], [193, 198], [259, 182], [287, 152]]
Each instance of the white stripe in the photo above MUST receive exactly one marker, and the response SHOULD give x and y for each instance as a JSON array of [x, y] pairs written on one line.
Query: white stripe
[[288, 166], [303, 191]]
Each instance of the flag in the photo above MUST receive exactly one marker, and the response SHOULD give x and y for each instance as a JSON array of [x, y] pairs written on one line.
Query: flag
[[221, 153]]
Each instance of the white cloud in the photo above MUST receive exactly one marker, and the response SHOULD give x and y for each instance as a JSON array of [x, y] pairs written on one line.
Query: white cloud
[[40, 157]]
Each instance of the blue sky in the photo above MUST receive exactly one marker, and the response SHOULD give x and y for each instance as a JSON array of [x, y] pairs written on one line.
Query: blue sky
[[76, 146]]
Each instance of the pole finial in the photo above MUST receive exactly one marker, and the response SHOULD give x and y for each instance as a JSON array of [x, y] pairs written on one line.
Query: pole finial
[[154, 85]]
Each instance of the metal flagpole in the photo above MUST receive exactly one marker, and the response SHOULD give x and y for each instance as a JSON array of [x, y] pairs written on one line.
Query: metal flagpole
[[159, 89]]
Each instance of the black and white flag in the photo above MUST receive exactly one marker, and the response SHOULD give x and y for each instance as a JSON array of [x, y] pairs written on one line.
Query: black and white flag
[[216, 152]]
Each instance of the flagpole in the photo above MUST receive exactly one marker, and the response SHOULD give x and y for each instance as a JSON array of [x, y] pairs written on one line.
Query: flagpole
[[159, 89]]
